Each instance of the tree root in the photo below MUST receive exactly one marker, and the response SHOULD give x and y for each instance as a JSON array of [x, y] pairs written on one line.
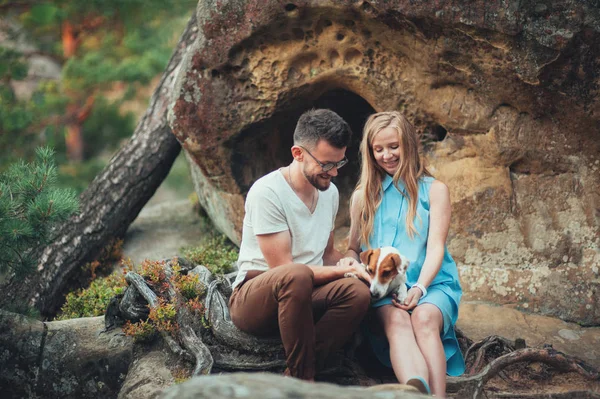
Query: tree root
[[222, 327], [200, 353], [226, 348], [473, 386]]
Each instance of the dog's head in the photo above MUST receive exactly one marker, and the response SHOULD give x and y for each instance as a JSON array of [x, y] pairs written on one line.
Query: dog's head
[[387, 268]]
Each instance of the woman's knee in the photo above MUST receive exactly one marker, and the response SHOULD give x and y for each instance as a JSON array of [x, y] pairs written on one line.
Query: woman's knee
[[427, 319], [397, 322]]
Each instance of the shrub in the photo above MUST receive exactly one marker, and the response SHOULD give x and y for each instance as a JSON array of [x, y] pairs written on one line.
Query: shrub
[[93, 300], [142, 331], [30, 206], [154, 273], [163, 316], [188, 285], [218, 255]]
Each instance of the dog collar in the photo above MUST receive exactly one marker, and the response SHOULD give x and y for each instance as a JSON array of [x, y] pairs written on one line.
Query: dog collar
[[422, 288]]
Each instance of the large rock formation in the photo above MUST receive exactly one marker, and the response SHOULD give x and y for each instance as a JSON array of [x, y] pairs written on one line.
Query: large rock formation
[[263, 385], [506, 94], [61, 359]]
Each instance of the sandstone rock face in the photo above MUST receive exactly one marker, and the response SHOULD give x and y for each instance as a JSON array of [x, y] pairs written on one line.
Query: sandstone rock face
[[505, 94], [61, 359], [536, 330]]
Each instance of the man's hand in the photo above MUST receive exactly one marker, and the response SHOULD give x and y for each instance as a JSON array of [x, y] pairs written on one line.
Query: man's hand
[[347, 261], [356, 270]]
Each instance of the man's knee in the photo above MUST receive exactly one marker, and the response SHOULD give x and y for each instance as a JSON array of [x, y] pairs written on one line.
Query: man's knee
[[359, 295], [363, 295], [296, 279]]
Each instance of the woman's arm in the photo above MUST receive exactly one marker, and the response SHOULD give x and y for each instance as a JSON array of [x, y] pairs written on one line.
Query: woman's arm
[[354, 237], [439, 224]]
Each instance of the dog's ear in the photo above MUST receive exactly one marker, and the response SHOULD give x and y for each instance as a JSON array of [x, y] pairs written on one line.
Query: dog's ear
[[396, 261], [400, 263], [404, 262], [365, 256]]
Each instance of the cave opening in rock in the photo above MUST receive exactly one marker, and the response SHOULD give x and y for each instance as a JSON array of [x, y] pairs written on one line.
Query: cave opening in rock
[[265, 146]]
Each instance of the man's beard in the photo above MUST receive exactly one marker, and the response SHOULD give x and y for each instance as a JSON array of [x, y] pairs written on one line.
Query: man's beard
[[314, 180]]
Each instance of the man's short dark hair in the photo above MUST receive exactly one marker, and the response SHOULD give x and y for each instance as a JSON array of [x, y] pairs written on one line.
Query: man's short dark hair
[[322, 124]]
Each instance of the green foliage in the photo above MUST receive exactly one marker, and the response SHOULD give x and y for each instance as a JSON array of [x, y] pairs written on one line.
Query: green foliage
[[188, 285], [93, 300], [105, 127], [153, 272], [30, 206], [218, 255], [120, 45], [163, 316], [13, 65], [142, 332], [79, 176]]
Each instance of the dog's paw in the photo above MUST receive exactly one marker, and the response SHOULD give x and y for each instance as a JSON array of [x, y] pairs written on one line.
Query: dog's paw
[[351, 275], [401, 293]]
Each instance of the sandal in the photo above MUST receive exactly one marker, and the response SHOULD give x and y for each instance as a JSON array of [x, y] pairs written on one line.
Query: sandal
[[419, 383]]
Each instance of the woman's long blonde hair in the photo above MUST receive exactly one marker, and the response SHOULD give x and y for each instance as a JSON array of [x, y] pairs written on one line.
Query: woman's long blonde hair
[[410, 170]]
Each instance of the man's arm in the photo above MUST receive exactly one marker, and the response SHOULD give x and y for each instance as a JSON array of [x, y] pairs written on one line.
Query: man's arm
[[331, 256], [277, 250]]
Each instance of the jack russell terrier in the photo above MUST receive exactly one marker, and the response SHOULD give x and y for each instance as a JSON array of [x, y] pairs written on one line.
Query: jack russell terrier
[[387, 268]]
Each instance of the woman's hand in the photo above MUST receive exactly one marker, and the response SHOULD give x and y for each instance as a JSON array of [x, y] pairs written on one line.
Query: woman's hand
[[414, 294]]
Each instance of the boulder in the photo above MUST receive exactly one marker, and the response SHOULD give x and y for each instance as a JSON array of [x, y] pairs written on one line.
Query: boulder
[[268, 386], [66, 359], [505, 94]]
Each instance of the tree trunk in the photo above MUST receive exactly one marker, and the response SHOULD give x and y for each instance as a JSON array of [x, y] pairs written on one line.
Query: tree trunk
[[111, 202]]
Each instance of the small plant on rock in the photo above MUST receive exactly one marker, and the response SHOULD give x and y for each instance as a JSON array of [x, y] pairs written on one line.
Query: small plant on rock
[[163, 316], [218, 255], [142, 331], [93, 300], [188, 285], [154, 273]]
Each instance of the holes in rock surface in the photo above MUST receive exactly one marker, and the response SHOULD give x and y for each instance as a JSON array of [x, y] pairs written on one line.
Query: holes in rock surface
[[265, 146], [432, 134], [366, 7], [298, 33], [438, 132], [339, 37], [290, 7], [334, 57], [352, 55]]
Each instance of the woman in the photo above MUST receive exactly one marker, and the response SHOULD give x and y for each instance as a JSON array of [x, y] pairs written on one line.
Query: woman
[[398, 203]]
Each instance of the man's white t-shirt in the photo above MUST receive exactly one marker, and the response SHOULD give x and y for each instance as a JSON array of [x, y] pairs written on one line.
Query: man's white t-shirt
[[272, 206]]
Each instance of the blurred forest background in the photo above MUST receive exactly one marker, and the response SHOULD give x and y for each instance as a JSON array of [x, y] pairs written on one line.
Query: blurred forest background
[[77, 76]]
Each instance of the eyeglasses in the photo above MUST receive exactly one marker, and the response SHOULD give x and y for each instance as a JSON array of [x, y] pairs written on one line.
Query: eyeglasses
[[329, 165]]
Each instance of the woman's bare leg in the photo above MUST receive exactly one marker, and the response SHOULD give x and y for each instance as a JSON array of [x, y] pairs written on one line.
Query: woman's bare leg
[[427, 323], [406, 357]]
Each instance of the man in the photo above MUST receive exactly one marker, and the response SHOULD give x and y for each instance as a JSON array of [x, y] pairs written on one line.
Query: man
[[287, 236]]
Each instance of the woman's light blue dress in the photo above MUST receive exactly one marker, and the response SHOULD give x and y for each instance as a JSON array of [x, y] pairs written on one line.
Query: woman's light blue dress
[[390, 229]]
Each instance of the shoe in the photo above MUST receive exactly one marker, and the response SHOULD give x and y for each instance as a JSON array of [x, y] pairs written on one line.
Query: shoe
[[419, 383]]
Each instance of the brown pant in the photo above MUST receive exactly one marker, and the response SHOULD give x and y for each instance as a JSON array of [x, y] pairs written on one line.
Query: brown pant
[[313, 321]]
